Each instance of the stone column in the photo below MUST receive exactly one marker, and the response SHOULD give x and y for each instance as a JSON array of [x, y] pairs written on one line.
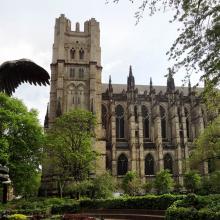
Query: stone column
[[157, 133], [141, 144], [112, 122], [131, 135]]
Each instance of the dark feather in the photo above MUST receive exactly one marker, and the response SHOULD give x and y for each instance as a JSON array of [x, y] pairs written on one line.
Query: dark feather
[[13, 73]]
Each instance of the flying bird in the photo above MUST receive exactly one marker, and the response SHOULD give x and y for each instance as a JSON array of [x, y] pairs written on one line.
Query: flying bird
[[15, 72]]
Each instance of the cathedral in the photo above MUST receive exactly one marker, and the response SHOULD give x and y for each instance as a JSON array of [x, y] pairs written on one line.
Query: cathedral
[[143, 128]]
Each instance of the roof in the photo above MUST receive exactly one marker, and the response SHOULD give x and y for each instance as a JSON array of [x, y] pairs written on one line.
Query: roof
[[118, 88]]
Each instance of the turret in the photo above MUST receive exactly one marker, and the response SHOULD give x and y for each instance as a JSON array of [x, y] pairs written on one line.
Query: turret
[[130, 81]]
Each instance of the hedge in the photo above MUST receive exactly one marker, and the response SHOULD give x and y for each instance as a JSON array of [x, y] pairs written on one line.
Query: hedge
[[195, 207], [142, 202]]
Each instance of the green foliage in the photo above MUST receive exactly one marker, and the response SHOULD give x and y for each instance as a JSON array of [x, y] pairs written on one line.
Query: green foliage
[[78, 189], [103, 186], [192, 181], [69, 146], [207, 144], [17, 217], [21, 141], [161, 202], [163, 182], [195, 208], [148, 186], [131, 184]]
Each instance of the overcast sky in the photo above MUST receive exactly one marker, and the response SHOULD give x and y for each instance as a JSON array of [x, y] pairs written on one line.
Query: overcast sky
[[27, 26]]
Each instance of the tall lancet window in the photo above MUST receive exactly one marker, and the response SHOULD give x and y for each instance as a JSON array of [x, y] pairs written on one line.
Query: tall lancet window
[[149, 165], [135, 114], [187, 122], [104, 117], [81, 54], [163, 122], [122, 166], [119, 111], [146, 122], [72, 53], [168, 162]]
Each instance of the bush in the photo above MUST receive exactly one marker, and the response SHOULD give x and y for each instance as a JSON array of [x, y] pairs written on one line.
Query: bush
[[195, 208], [163, 182], [141, 202], [131, 184], [192, 181], [17, 217], [65, 208]]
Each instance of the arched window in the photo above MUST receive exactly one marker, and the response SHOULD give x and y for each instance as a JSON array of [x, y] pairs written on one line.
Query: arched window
[[163, 122], [135, 114], [187, 122], [146, 123], [104, 117], [81, 54], [119, 111], [168, 163], [72, 72], [122, 167], [72, 53], [81, 73], [149, 165]]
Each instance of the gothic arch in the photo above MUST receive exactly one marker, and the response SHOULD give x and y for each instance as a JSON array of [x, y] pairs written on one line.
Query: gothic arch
[[136, 113], [149, 165], [122, 165], [168, 162], [163, 122], [81, 54], [146, 121], [72, 53], [119, 113]]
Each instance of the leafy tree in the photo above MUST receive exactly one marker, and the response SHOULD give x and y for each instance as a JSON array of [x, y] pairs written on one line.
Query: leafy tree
[[207, 145], [21, 141], [131, 184], [148, 186], [197, 46], [69, 145], [215, 180], [192, 181], [163, 182]]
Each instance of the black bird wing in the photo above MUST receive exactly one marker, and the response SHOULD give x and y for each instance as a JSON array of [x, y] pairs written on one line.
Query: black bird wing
[[13, 73]]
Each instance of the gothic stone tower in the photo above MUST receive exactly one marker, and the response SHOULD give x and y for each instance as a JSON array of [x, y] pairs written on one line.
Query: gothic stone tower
[[76, 75]]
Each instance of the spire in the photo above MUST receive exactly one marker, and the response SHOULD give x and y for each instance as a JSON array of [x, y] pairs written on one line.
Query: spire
[[189, 87], [130, 81], [110, 89], [151, 85], [46, 119], [170, 81]]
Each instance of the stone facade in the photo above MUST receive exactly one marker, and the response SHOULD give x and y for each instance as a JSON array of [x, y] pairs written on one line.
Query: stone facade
[[141, 128]]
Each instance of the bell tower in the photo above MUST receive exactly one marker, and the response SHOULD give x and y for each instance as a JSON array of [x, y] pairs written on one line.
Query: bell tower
[[76, 75], [76, 68]]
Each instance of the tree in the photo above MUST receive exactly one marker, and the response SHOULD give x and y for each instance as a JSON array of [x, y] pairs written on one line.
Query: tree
[[192, 181], [131, 184], [69, 145], [207, 145], [21, 141], [163, 182], [197, 47]]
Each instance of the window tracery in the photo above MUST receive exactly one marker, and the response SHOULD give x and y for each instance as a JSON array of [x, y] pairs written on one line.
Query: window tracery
[[149, 165], [163, 122], [81, 54], [168, 162], [146, 122], [122, 167], [119, 111]]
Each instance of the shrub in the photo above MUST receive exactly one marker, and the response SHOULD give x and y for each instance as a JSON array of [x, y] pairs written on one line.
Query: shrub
[[131, 184], [17, 217], [192, 181], [147, 186], [163, 182]]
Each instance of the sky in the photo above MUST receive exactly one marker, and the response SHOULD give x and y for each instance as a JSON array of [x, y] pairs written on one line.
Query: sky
[[27, 30]]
